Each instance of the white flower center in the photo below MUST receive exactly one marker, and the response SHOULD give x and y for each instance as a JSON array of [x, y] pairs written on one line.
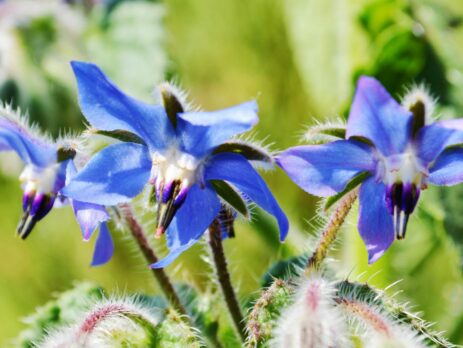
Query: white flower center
[[402, 168], [41, 180], [174, 165]]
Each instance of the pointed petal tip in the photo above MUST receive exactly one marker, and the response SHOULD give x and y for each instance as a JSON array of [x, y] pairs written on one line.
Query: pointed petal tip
[[374, 255]]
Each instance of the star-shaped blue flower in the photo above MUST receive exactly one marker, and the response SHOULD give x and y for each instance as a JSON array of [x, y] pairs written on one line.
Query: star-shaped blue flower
[[182, 154], [48, 166], [402, 154]]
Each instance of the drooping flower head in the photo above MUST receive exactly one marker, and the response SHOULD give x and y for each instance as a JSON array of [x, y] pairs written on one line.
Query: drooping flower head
[[186, 156], [397, 150], [48, 166]]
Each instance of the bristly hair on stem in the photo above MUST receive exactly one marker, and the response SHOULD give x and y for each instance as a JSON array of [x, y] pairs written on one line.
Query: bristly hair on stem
[[223, 277], [330, 231], [161, 277]]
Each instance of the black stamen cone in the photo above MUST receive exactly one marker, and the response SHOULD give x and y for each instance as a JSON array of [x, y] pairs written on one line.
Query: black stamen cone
[[167, 210]]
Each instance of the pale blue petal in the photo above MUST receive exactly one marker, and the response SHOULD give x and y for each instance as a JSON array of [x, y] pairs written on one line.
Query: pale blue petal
[[324, 170], [433, 139], [200, 132], [106, 107], [89, 216], [104, 247], [235, 169], [31, 149], [375, 115], [375, 223], [200, 208], [448, 168], [114, 175]]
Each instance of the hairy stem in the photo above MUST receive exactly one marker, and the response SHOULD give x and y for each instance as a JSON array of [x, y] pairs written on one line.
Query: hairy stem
[[162, 278], [223, 276], [331, 229]]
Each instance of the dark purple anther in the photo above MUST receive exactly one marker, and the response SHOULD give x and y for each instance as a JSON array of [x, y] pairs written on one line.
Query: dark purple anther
[[180, 198], [35, 207], [41, 206], [167, 191], [27, 199], [410, 196], [173, 197], [401, 200]]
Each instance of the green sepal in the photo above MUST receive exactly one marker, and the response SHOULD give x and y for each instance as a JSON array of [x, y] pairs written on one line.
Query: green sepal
[[252, 153], [232, 197], [330, 201], [324, 133], [64, 154], [172, 105], [121, 135]]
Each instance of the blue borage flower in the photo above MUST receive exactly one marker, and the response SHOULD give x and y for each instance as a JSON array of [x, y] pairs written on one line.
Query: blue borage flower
[[49, 165], [398, 150], [185, 155]]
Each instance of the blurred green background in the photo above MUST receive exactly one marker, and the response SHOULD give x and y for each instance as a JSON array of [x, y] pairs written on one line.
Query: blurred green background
[[300, 59]]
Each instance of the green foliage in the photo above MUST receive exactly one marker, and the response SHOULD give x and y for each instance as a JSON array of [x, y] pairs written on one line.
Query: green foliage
[[266, 311], [174, 332], [57, 313], [285, 270]]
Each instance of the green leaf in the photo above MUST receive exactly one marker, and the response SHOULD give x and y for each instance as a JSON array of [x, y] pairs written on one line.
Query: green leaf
[[57, 313], [251, 152], [232, 197], [285, 270], [330, 201]]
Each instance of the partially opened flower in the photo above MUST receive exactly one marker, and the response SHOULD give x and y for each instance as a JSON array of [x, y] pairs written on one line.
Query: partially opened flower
[[395, 151], [185, 155], [48, 166]]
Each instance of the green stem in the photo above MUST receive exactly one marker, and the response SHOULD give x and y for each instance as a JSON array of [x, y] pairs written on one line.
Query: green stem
[[331, 229], [162, 278], [223, 276]]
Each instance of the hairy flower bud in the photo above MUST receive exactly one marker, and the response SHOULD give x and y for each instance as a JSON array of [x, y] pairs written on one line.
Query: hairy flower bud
[[313, 320]]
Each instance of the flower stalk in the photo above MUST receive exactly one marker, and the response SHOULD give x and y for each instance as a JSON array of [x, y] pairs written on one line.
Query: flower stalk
[[223, 276], [331, 229], [161, 277]]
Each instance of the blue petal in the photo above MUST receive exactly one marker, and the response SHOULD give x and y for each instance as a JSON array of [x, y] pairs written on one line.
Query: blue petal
[[375, 223], [89, 216], [114, 175], [324, 170], [201, 132], [448, 168], [31, 149], [104, 247], [375, 115], [106, 107], [200, 208], [433, 139], [235, 169]]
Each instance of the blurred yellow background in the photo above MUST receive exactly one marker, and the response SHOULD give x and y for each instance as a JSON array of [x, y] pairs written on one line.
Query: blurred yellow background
[[300, 60]]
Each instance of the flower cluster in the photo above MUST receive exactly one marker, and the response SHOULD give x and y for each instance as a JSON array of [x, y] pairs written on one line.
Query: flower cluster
[[198, 173]]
